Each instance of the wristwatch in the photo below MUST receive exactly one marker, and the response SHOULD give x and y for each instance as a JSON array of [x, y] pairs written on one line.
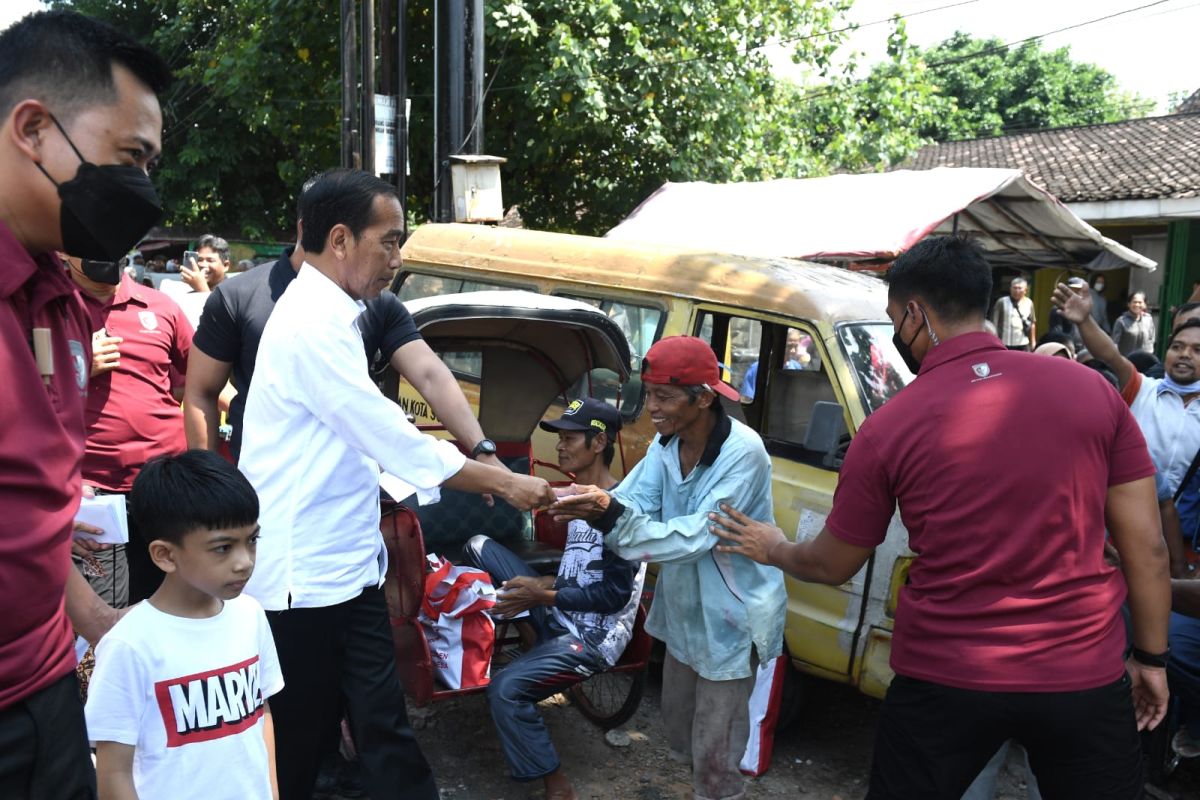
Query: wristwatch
[[1158, 660], [486, 447]]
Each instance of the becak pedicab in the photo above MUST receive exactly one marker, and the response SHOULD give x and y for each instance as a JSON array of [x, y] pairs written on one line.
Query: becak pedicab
[[515, 354]]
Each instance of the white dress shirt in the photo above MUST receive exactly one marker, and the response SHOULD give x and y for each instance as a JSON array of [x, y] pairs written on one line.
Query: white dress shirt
[[316, 431]]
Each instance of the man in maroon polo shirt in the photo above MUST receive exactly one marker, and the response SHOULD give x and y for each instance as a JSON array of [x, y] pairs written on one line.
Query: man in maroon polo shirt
[[79, 126], [141, 340], [1007, 468]]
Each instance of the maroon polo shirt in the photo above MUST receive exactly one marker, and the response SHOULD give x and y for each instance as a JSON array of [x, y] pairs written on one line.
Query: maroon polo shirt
[[131, 415], [41, 446], [1000, 462]]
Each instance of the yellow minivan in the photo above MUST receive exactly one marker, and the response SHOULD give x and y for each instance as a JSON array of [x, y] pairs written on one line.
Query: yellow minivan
[[807, 346]]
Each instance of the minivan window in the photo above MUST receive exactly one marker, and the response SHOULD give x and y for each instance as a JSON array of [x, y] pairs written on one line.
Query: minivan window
[[642, 325], [416, 285], [877, 367]]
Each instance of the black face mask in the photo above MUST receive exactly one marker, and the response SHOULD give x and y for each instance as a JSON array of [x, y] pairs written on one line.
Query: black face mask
[[905, 348], [106, 209], [101, 271]]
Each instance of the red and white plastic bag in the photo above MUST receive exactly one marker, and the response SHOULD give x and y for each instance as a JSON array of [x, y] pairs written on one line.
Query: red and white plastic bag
[[460, 633], [764, 713]]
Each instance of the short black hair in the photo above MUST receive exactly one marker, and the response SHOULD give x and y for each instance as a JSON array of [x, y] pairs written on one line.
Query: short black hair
[[216, 244], [949, 273], [338, 197], [1108, 374], [610, 449], [1184, 309], [1187, 324], [195, 490], [65, 60], [1143, 362]]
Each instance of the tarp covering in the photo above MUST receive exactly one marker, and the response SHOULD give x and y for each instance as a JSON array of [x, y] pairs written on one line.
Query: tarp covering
[[868, 220]]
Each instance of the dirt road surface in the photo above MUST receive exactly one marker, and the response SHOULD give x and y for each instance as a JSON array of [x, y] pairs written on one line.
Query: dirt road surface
[[824, 755]]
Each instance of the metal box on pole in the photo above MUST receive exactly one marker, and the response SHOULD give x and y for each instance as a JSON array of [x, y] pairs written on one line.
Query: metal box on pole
[[475, 182]]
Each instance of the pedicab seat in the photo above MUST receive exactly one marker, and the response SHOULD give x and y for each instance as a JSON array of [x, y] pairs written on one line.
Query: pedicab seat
[[404, 588]]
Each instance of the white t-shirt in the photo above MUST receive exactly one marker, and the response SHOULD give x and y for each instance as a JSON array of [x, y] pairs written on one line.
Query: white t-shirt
[[188, 695]]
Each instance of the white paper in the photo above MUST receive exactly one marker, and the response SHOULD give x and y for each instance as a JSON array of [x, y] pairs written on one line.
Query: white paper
[[106, 512]]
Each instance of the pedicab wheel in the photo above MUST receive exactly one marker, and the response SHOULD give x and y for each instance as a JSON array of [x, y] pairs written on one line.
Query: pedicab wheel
[[609, 699]]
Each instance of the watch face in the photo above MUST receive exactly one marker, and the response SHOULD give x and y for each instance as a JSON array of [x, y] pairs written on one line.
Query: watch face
[[486, 448]]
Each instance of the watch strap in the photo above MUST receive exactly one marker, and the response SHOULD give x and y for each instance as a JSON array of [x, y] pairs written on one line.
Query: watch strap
[[484, 445], [1158, 660]]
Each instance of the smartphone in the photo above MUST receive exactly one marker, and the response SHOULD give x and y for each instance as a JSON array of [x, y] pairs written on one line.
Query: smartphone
[[188, 257]]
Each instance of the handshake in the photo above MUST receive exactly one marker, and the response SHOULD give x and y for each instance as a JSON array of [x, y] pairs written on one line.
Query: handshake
[[566, 502]]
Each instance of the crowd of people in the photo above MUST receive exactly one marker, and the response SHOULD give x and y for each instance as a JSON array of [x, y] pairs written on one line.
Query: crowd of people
[[245, 616]]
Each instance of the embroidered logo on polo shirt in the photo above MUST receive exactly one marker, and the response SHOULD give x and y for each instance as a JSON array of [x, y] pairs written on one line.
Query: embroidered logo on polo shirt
[[79, 363], [149, 320], [983, 372], [210, 705]]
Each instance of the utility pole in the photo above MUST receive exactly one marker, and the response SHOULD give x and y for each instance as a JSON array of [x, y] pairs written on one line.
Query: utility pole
[[349, 48], [457, 92], [367, 107]]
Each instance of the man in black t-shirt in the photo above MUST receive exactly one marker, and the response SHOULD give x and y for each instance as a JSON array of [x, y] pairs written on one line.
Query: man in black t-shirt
[[226, 342]]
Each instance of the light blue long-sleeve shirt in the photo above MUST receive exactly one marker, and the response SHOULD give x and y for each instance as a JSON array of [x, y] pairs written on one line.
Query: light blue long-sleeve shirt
[[709, 607]]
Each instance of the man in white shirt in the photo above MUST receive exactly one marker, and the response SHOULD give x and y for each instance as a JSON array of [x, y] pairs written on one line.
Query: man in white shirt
[[317, 431]]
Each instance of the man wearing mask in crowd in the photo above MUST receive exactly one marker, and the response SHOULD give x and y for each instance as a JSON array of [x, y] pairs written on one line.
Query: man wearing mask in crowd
[[140, 342], [317, 432], [1010, 625], [1165, 408], [81, 126]]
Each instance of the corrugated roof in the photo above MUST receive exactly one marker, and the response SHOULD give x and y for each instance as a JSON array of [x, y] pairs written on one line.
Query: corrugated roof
[[1155, 157]]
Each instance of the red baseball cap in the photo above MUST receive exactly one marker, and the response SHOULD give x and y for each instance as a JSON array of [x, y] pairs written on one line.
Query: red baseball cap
[[685, 361]]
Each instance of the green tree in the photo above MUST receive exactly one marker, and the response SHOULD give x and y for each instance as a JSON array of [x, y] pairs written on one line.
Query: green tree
[[993, 89], [253, 110], [594, 102]]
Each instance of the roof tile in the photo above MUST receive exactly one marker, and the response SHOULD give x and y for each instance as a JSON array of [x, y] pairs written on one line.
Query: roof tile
[[1155, 157]]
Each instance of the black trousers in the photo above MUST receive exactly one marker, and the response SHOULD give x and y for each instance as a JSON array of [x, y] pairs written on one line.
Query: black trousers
[[932, 740], [44, 752], [341, 658]]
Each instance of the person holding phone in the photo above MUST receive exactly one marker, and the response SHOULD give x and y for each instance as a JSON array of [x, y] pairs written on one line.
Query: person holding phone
[[201, 271]]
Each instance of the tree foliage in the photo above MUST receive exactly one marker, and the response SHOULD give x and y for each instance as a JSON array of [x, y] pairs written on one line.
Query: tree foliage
[[253, 111], [595, 103], [993, 90]]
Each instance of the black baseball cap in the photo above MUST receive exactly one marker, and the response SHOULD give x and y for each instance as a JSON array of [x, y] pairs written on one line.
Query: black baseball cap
[[587, 414]]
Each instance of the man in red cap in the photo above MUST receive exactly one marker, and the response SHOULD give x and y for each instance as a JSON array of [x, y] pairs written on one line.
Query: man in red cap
[[718, 615]]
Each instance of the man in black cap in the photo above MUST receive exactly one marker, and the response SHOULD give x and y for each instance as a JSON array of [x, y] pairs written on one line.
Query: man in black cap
[[582, 618]]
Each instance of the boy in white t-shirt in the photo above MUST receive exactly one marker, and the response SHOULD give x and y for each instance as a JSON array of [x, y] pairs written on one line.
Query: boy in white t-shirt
[[177, 706]]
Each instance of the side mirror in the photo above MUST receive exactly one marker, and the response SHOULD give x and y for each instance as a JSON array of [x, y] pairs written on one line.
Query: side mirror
[[826, 430]]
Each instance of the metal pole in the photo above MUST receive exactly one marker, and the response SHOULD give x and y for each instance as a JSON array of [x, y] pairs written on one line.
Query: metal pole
[[401, 111], [455, 92], [476, 144], [456, 51], [368, 86], [349, 83], [437, 104]]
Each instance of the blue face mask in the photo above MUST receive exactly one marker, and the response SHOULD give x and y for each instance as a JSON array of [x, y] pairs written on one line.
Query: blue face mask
[[1181, 388]]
